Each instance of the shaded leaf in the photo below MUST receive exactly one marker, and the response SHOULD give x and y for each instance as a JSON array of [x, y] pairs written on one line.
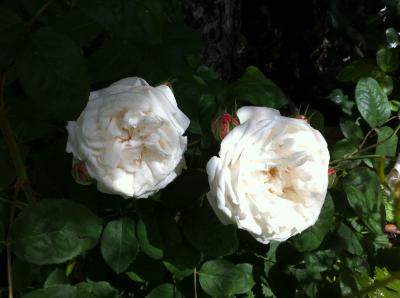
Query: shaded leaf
[[119, 246], [141, 21], [165, 290], [60, 86], [206, 233], [54, 231], [387, 59], [12, 32], [312, 237], [221, 278], [255, 88]]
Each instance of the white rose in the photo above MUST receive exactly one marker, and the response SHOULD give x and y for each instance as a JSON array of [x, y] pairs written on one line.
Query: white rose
[[271, 176], [130, 138], [393, 178]]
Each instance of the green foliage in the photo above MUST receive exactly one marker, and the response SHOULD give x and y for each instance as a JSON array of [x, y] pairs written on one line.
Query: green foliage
[[60, 86], [253, 87], [81, 290], [54, 231], [364, 195], [165, 290], [172, 244], [206, 233], [119, 246], [222, 278], [339, 98], [312, 237], [372, 102]]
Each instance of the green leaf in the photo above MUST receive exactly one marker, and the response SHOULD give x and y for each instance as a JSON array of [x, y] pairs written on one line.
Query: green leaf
[[392, 37], [351, 130], [157, 231], [100, 289], [312, 237], [342, 148], [386, 83], [222, 278], [358, 69], [253, 87], [77, 26], [317, 121], [145, 269], [143, 237], [82, 290], [12, 32], [185, 191], [364, 195], [349, 240], [114, 60], [64, 291], [165, 291], [119, 246], [206, 233], [56, 277], [372, 102], [183, 261], [54, 231], [389, 146], [387, 59], [60, 86], [141, 21], [338, 97]]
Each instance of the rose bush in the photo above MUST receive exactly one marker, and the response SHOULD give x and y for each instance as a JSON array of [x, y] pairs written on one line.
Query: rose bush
[[271, 175], [130, 136]]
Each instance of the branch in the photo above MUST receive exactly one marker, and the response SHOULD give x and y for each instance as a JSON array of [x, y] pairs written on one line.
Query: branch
[[15, 154], [39, 13]]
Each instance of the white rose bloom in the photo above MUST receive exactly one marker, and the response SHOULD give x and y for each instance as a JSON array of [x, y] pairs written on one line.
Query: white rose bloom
[[271, 176], [393, 177], [130, 138]]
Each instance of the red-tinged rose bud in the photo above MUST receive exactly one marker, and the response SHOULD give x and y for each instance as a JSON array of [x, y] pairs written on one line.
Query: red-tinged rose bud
[[80, 172], [331, 177], [302, 117], [223, 125]]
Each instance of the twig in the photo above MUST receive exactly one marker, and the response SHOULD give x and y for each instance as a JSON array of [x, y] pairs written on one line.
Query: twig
[[21, 205], [11, 143], [360, 150], [9, 242], [195, 281], [366, 137], [39, 13]]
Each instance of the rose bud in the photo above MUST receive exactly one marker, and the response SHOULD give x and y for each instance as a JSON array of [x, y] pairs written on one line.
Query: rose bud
[[80, 172], [331, 177], [130, 138], [223, 125]]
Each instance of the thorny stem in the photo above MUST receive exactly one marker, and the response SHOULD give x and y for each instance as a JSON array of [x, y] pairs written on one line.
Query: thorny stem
[[9, 248], [360, 150], [39, 13], [11, 143], [195, 281], [21, 205], [22, 181], [366, 137], [376, 285]]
